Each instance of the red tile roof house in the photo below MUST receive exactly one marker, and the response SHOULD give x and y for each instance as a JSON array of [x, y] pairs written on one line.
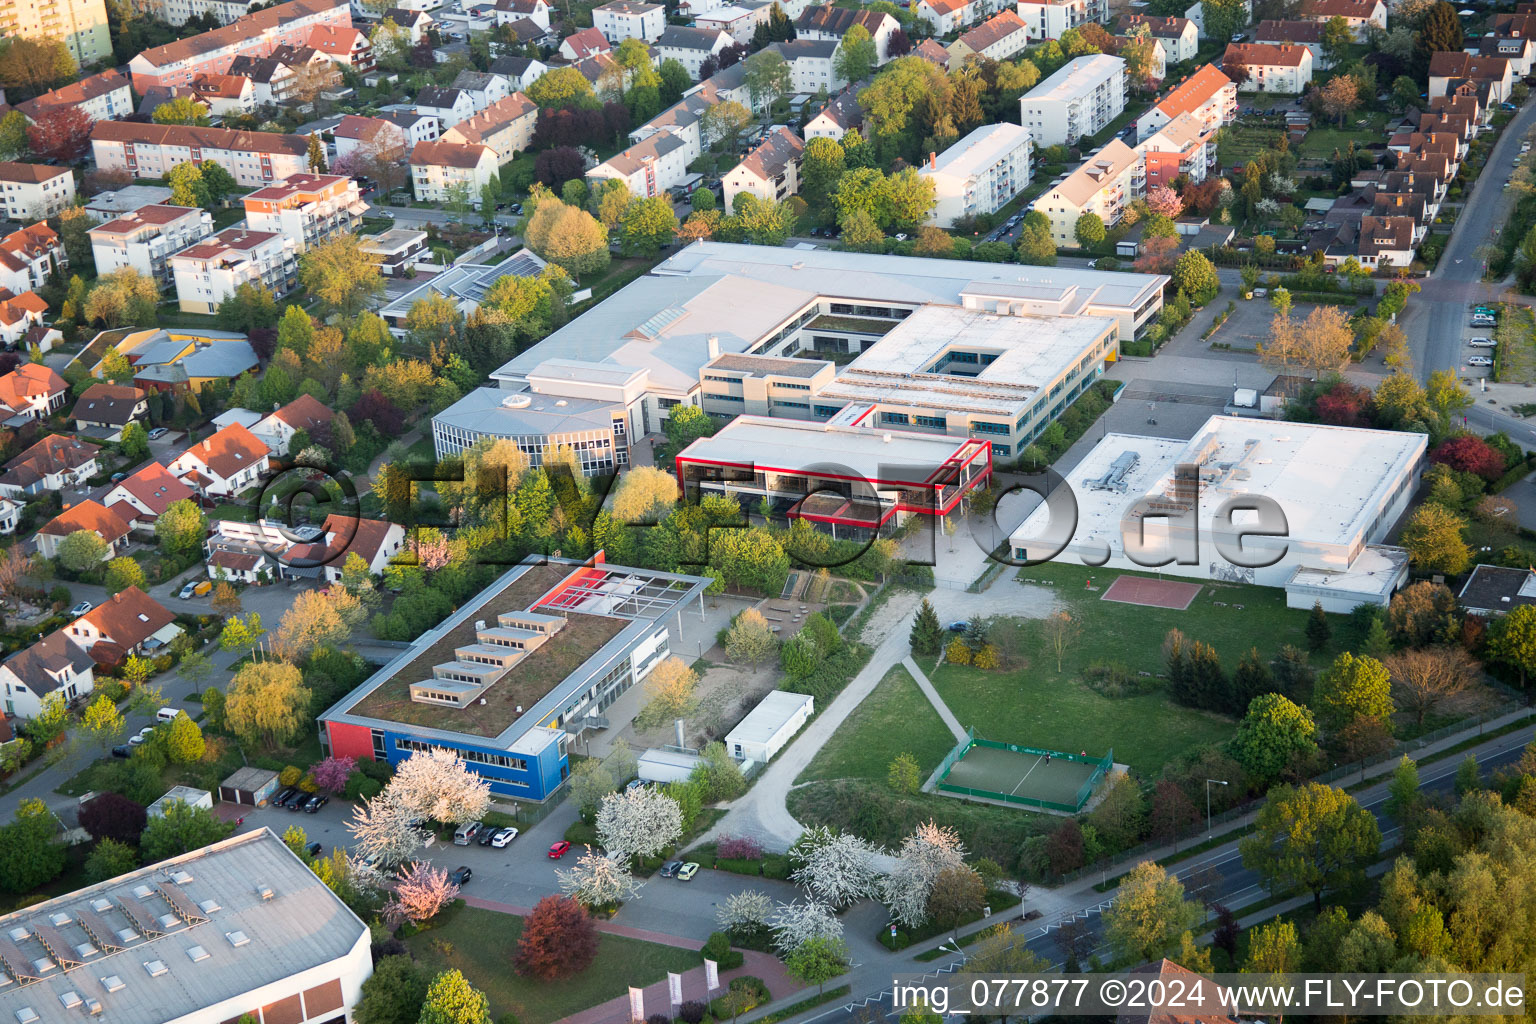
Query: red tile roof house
[[239, 566], [254, 35], [55, 664], [304, 413], [130, 620], [19, 314], [31, 392], [224, 464], [589, 42], [101, 97], [29, 257], [344, 45], [140, 499], [88, 515], [372, 540], [56, 463]]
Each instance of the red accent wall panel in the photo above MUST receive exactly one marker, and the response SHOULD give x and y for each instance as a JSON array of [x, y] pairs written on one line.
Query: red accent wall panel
[[348, 740]]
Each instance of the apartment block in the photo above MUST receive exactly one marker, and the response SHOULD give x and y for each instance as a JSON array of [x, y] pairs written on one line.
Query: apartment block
[[146, 238], [832, 23], [998, 38], [690, 47], [81, 24], [151, 150], [1182, 147], [1180, 36], [647, 168], [1360, 15], [1048, 19], [771, 171], [307, 208], [1262, 67], [209, 272], [1105, 184], [506, 126], [179, 12], [101, 97], [32, 192], [980, 173], [1208, 94], [627, 19], [253, 35], [438, 168], [1080, 99]]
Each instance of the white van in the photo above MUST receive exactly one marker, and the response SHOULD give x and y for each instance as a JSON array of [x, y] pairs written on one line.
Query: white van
[[167, 714]]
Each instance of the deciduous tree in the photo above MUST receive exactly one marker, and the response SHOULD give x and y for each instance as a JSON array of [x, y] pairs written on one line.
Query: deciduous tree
[[559, 940], [451, 999], [82, 550], [421, 891], [640, 822], [181, 110], [437, 784], [267, 703], [669, 693], [113, 816], [1433, 537], [1354, 687], [1310, 837], [1425, 678], [340, 275], [1272, 735], [181, 828], [1149, 914], [60, 133], [596, 881], [834, 868]]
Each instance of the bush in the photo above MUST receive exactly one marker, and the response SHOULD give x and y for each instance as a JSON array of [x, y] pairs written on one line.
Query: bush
[[776, 865], [692, 1012], [1112, 679], [739, 865], [658, 1018], [739, 848], [755, 989], [718, 949]]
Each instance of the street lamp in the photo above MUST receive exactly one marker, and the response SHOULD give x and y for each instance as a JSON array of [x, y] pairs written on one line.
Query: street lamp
[[946, 947], [1220, 782]]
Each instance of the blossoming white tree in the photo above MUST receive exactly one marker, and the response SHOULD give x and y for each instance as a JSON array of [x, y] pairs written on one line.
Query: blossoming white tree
[[928, 851], [383, 830], [795, 924], [436, 784], [836, 868], [420, 892], [596, 881], [745, 912], [639, 822]]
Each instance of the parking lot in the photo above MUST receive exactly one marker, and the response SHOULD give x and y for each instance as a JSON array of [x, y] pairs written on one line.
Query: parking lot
[[1477, 343]]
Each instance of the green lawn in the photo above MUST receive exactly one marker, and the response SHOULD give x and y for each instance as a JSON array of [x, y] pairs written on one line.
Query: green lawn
[[895, 717], [482, 944], [1038, 705], [1325, 136]]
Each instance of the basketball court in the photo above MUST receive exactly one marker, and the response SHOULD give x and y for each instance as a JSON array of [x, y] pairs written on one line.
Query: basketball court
[[1152, 593]]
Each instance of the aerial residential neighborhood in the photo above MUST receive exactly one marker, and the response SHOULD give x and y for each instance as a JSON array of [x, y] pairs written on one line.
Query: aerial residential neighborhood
[[768, 511]]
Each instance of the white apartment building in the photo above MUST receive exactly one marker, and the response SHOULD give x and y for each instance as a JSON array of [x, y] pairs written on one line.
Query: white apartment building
[[437, 168], [101, 97], [946, 16], [209, 272], [1180, 36], [1207, 95], [506, 126], [151, 150], [146, 238], [690, 47], [179, 12], [307, 208], [630, 19], [81, 24], [32, 192], [1081, 98], [810, 65], [1105, 184], [832, 23], [1046, 19], [998, 38], [771, 171], [979, 174], [537, 11], [1266, 67], [648, 168]]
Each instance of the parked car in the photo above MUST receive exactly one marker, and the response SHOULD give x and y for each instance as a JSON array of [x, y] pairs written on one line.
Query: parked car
[[1483, 343], [157, 433], [187, 591], [116, 477], [298, 801], [1484, 311], [558, 850], [1479, 361], [465, 833], [959, 627], [503, 837], [122, 750], [134, 741], [687, 871], [460, 875], [284, 796], [316, 802], [486, 835], [81, 608], [670, 869], [313, 849]]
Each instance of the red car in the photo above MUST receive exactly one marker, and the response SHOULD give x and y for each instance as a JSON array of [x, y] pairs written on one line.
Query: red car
[[558, 850]]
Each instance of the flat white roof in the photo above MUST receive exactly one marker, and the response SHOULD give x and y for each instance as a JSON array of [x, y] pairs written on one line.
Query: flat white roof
[[1374, 572], [1076, 77], [765, 720], [908, 280], [887, 456], [1026, 353], [1331, 482], [979, 150]]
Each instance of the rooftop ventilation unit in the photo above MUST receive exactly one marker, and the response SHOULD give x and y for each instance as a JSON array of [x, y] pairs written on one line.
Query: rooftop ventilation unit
[[70, 999]]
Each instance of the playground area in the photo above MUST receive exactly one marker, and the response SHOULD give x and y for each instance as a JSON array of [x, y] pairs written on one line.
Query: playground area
[[1023, 776], [1150, 593]]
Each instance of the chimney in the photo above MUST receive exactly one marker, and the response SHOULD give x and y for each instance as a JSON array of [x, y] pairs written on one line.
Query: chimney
[[713, 341], [678, 725], [933, 160]]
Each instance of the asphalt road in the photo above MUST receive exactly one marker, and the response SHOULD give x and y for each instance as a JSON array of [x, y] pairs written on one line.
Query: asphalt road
[[1228, 883]]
